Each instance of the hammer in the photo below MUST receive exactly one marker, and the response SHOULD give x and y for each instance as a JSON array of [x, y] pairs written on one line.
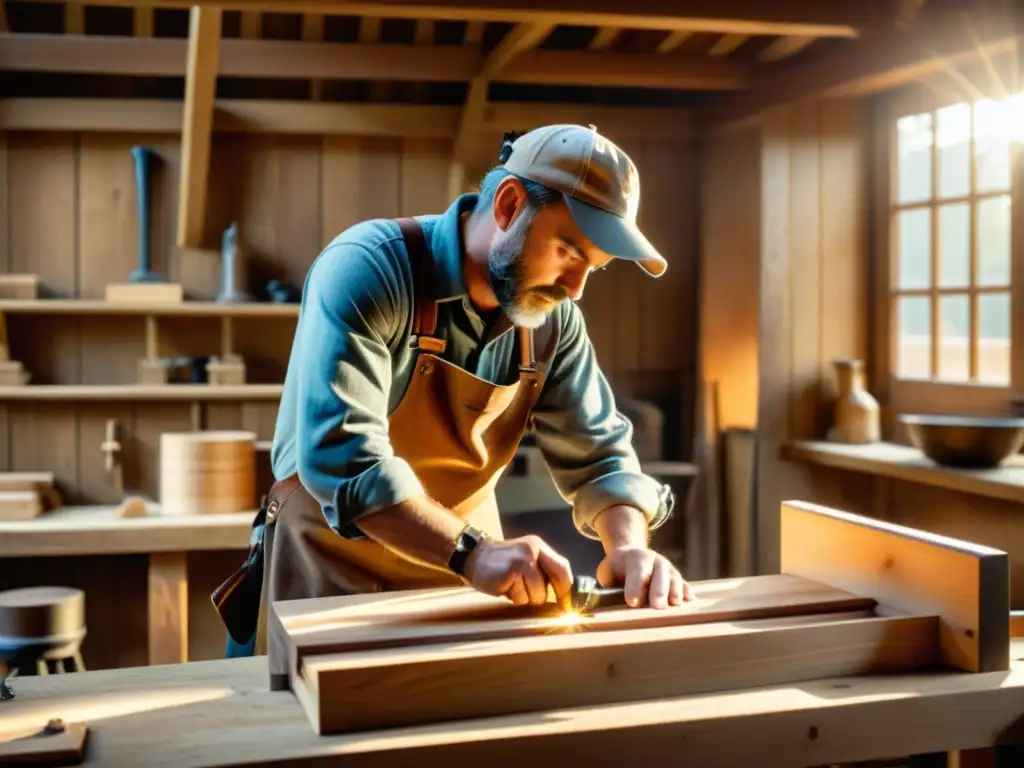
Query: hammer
[[588, 595]]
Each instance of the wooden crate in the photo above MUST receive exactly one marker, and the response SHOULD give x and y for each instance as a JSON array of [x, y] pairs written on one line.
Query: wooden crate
[[855, 596]]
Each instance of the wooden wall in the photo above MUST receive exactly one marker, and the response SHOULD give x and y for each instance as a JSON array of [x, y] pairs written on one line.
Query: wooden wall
[[72, 219], [785, 281]]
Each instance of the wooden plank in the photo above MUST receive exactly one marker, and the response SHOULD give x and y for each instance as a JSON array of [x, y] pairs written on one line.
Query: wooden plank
[[796, 17], [197, 122], [143, 392], [909, 570], [168, 608], [324, 119], [97, 530], [902, 462], [186, 308], [404, 687], [299, 628]]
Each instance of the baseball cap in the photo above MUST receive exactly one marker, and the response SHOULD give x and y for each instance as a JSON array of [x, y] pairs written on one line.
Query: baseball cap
[[599, 182]]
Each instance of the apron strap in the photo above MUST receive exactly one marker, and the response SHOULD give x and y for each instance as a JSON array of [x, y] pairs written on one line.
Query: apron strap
[[527, 354], [424, 321]]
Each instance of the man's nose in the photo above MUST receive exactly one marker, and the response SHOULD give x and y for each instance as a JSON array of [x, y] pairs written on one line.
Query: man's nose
[[574, 283]]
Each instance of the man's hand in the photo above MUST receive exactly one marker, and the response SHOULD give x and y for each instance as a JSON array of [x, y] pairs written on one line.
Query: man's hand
[[520, 569], [648, 578]]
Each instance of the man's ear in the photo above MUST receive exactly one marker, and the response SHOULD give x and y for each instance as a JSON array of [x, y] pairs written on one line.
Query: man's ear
[[509, 200]]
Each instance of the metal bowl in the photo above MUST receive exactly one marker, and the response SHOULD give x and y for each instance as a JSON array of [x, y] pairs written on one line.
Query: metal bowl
[[972, 442]]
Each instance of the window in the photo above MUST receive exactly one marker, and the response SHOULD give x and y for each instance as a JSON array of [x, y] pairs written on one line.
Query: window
[[951, 244]]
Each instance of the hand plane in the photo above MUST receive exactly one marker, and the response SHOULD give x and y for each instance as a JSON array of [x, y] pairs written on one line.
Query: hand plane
[[588, 595]]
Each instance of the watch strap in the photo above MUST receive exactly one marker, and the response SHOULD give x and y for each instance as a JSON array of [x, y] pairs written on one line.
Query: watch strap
[[468, 540]]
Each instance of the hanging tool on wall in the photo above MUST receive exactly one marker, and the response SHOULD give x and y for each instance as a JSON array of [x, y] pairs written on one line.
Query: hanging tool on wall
[[143, 166]]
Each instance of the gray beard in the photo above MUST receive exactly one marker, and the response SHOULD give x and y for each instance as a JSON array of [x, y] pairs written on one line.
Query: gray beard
[[507, 276]]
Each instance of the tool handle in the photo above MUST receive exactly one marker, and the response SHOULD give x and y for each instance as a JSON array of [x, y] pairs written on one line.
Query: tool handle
[[143, 156]]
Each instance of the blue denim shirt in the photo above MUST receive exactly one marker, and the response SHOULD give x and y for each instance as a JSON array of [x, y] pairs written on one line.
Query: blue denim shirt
[[351, 361]]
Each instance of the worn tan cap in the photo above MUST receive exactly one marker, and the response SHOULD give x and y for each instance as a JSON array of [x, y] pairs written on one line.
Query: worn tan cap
[[600, 184]]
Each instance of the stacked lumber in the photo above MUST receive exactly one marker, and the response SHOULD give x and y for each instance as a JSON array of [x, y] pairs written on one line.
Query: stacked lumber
[[26, 495]]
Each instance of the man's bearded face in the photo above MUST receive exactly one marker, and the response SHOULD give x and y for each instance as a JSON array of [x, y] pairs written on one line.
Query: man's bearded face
[[527, 305]]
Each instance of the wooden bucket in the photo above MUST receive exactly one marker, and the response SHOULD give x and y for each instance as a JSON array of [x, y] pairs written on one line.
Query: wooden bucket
[[207, 472]]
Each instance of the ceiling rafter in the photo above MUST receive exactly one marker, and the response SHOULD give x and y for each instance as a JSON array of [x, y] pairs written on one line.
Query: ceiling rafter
[[939, 39], [358, 61], [818, 18], [197, 122], [519, 39]]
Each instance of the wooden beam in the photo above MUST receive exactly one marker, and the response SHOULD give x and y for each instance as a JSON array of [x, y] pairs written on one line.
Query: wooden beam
[[326, 119], [908, 571], [726, 44], [880, 60], [673, 41], [197, 123], [628, 70], [519, 39], [820, 18], [619, 123], [358, 61], [785, 47]]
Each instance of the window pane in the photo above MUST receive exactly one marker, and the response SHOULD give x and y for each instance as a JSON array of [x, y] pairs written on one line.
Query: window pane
[[955, 245], [954, 338], [992, 120], [914, 345], [953, 137], [994, 241], [994, 338], [915, 248], [914, 148]]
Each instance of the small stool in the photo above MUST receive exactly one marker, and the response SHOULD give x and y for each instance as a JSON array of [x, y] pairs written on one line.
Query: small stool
[[41, 627]]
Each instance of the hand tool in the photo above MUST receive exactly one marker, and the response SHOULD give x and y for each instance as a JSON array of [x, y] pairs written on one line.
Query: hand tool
[[588, 595], [143, 161]]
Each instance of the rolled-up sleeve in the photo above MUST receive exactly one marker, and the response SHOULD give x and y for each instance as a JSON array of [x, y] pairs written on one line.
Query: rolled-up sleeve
[[351, 307], [584, 439]]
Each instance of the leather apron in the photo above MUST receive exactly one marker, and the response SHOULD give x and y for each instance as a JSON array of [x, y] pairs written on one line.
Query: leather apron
[[457, 431]]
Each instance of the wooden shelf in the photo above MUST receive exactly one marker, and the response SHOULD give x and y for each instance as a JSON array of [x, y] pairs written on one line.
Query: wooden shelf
[[97, 530], [137, 392], [99, 307], [902, 462]]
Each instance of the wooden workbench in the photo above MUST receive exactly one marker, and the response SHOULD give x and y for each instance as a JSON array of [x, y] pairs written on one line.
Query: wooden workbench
[[165, 541], [222, 713]]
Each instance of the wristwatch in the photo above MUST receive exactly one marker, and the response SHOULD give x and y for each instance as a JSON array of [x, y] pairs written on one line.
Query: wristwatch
[[468, 540]]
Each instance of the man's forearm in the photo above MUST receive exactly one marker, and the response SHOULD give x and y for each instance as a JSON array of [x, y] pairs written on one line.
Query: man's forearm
[[622, 527], [419, 529]]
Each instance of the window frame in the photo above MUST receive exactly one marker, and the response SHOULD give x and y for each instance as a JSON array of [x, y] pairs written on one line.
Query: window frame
[[929, 395]]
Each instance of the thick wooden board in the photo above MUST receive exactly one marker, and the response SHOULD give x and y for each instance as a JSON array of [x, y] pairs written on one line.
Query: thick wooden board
[[300, 628], [912, 571], [64, 747], [456, 680], [420, 617]]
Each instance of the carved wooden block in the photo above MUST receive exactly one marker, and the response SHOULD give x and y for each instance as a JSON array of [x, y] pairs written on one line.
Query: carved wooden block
[[13, 374], [152, 372], [145, 293], [226, 371], [19, 286]]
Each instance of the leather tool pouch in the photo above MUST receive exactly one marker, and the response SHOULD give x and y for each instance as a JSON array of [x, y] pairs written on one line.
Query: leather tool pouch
[[237, 600]]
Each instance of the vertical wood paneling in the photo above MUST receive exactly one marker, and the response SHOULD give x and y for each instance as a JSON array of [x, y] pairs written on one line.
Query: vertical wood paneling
[[43, 217], [340, 189], [775, 359], [814, 297], [730, 275], [784, 292]]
